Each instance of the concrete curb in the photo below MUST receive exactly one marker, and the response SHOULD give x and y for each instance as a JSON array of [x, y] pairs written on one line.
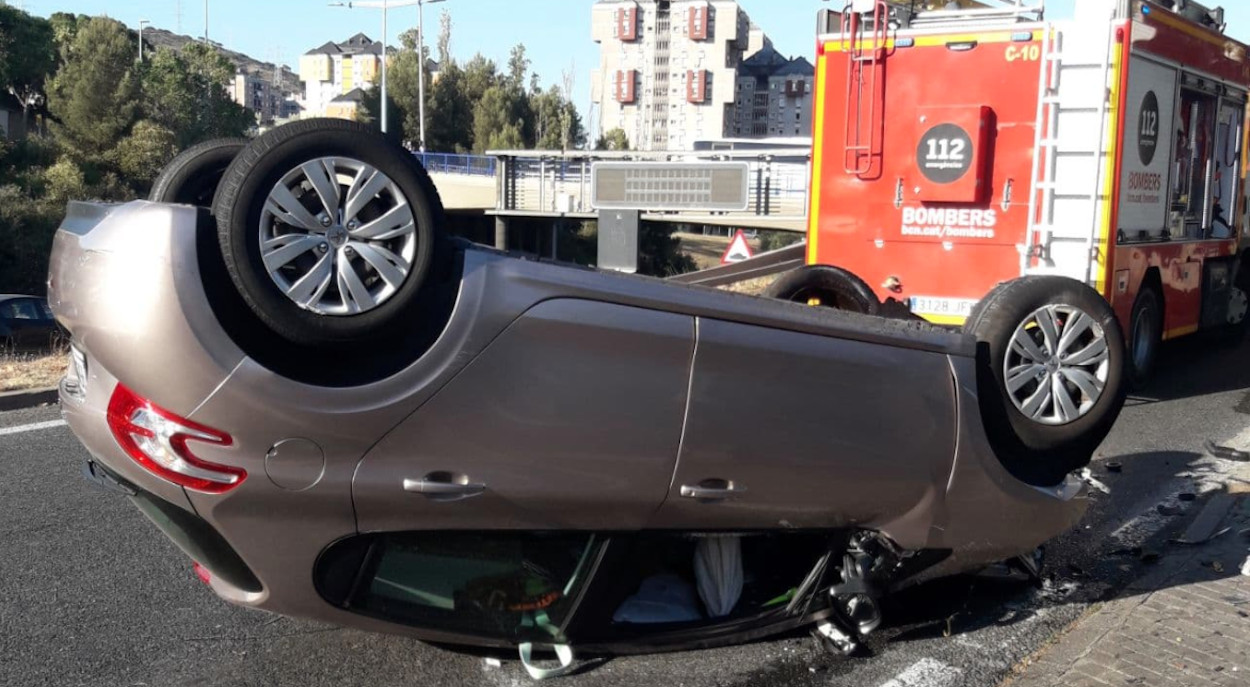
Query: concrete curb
[[17, 400]]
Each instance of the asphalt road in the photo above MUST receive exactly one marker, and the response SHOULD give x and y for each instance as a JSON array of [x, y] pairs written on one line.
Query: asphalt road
[[91, 594]]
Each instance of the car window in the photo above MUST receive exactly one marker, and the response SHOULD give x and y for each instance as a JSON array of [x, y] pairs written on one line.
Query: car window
[[515, 586], [46, 310], [25, 309]]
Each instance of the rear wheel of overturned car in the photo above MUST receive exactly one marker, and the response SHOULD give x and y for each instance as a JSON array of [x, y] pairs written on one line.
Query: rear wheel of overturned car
[[192, 177], [1051, 377], [828, 286], [328, 231]]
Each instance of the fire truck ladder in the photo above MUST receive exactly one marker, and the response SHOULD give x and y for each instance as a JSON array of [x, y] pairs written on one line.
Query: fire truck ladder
[[1067, 202], [865, 70]]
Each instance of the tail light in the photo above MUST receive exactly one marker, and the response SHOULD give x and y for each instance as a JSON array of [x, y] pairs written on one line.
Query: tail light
[[203, 573], [157, 440]]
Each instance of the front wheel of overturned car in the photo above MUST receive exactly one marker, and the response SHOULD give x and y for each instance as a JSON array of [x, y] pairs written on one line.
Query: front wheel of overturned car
[[826, 286], [1051, 375], [328, 231]]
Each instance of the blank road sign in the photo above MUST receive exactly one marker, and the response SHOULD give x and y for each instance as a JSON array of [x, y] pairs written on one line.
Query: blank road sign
[[670, 186]]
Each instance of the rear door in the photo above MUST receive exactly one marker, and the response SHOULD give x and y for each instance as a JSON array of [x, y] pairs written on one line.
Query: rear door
[[569, 420], [794, 430]]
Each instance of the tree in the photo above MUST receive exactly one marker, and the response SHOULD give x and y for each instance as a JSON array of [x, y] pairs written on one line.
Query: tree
[[184, 92], [27, 58], [95, 94], [142, 154], [444, 39], [494, 127], [518, 66], [615, 139], [449, 112]]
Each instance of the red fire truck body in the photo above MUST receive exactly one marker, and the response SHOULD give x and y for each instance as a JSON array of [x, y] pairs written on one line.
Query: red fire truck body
[[958, 149]]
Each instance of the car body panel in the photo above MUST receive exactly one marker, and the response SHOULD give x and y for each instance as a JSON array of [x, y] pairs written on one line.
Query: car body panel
[[819, 432], [576, 403], [570, 389]]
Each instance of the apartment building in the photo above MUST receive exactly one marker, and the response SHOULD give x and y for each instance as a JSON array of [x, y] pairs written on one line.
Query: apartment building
[[668, 69], [336, 69], [773, 96]]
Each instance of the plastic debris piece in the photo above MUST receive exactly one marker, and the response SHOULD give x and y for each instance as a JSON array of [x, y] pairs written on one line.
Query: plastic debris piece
[[1114, 466], [494, 663], [1089, 479], [1199, 542], [1226, 452], [1245, 567], [1186, 496]]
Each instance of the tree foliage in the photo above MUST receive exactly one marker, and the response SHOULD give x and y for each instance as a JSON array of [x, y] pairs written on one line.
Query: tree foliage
[[94, 96], [114, 123], [613, 139]]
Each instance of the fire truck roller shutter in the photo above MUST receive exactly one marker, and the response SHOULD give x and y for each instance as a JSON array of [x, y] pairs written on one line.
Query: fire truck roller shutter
[[1051, 378]]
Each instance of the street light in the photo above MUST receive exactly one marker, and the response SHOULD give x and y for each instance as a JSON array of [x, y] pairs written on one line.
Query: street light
[[142, 23], [386, 5]]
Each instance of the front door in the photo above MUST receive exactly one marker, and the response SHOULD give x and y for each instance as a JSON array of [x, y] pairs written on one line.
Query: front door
[[794, 430], [569, 420]]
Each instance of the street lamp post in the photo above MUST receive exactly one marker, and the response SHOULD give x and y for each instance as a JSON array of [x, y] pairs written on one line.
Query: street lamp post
[[386, 5], [142, 23]]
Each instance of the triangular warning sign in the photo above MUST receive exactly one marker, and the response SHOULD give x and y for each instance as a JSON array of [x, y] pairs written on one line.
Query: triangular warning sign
[[738, 250]]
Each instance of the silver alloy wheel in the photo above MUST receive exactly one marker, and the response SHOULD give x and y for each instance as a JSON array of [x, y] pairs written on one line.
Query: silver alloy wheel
[[337, 236], [1238, 304], [1057, 365]]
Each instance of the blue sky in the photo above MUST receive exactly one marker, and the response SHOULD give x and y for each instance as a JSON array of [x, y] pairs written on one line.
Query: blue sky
[[556, 33]]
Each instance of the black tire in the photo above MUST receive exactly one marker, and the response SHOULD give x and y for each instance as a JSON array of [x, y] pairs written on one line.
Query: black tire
[[1238, 317], [827, 286], [242, 196], [1145, 335], [192, 177], [1042, 451]]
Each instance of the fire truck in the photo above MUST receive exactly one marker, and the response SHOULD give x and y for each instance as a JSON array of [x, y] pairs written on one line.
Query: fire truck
[[961, 145]]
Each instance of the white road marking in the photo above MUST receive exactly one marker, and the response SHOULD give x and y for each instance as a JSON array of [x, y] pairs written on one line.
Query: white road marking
[[927, 672], [32, 427]]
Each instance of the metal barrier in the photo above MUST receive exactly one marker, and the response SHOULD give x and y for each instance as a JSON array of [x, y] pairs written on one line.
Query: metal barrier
[[555, 182], [450, 163]]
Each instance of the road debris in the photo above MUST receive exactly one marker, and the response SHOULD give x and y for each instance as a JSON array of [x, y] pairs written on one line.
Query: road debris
[[1088, 476], [1245, 567], [1199, 542], [1186, 496], [1226, 452], [1114, 467]]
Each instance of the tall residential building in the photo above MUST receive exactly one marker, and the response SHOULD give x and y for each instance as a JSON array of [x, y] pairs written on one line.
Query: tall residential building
[[668, 68], [774, 96], [336, 69]]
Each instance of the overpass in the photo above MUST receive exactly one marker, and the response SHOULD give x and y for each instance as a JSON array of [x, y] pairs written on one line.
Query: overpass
[[557, 185]]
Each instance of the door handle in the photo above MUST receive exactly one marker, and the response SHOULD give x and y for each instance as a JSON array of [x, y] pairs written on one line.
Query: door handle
[[712, 490], [444, 486]]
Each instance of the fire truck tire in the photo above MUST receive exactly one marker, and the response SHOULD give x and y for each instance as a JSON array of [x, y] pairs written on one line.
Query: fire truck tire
[[1239, 308], [1145, 335], [827, 286], [1051, 374], [191, 178]]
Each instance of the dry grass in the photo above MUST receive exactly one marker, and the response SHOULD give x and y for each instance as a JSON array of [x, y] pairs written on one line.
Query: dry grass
[[753, 287], [21, 371]]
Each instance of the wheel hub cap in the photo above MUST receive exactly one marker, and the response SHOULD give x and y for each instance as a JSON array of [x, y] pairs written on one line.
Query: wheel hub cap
[[337, 236], [1057, 365], [1237, 306]]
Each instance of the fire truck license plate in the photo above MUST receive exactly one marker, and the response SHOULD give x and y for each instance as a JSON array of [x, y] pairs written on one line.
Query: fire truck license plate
[[934, 305]]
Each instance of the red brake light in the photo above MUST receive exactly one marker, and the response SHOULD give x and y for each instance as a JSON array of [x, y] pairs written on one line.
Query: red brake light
[[157, 440], [203, 573]]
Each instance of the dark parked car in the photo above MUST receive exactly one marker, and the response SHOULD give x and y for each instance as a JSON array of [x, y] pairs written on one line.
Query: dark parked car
[[26, 323], [339, 414]]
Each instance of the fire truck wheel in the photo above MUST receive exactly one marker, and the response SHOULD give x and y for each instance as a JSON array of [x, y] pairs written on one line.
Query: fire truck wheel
[[1145, 335], [1051, 375], [191, 178], [827, 286], [1239, 308]]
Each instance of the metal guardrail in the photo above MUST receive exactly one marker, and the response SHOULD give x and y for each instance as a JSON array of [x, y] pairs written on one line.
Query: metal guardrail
[[763, 265], [450, 163], [558, 182]]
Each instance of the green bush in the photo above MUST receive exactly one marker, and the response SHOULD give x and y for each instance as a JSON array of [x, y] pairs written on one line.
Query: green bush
[[26, 230]]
